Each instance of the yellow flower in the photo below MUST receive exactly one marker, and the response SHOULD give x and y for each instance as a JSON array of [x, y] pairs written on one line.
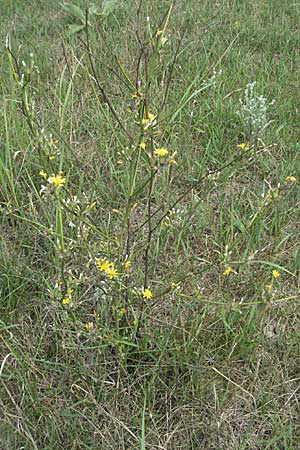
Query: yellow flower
[[147, 294], [108, 267], [43, 174], [57, 180], [103, 264], [127, 264], [160, 152], [66, 300], [111, 272], [122, 312], [151, 117], [268, 288], [268, 197], [143, 145], [275, 273], [227, 271], [243, 146], [172, 158], [290, 179], [89, 326], [148, 118]]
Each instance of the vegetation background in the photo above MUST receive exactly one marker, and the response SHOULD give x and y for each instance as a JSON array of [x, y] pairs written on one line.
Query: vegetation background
[[149, 265]]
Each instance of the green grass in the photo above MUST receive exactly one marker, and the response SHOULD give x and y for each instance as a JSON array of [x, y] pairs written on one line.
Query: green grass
[[211, 361]]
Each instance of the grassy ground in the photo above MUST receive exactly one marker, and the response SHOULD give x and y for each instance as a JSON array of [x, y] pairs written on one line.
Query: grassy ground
[[194, 342]]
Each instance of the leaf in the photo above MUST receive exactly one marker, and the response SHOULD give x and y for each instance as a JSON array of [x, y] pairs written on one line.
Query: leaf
[[59, 228], [94, 10], [143, 443], [272, 265], [74, 10], [108, 6], [75, 28], [125, 342]]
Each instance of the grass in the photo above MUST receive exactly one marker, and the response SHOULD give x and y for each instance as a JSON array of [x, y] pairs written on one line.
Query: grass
[[211, 359]]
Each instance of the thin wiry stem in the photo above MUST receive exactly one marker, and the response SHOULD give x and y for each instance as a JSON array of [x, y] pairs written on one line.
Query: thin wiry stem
[[99, 85], [148, 245], [165, 97]]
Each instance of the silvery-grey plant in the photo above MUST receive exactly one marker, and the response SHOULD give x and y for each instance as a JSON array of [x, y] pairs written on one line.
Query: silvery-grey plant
[[253, 110]]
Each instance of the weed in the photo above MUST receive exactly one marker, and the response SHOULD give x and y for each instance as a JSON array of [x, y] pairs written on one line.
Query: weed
[[149, 245]]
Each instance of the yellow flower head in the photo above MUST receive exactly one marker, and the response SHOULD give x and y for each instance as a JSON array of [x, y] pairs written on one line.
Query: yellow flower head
[[57, 180], [290, 179], [142, 145], [66, 300], [160, 152], [122, 312], [275, 273], [172, 158], [111, 272], [147, 294], [89, 326], [243, 146], [148, 118], [103, 264], [43, 174], [268, 288], [227, 271], [127, 264]]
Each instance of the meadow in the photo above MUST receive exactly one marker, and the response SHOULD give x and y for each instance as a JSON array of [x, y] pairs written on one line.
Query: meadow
[[149, 225]]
